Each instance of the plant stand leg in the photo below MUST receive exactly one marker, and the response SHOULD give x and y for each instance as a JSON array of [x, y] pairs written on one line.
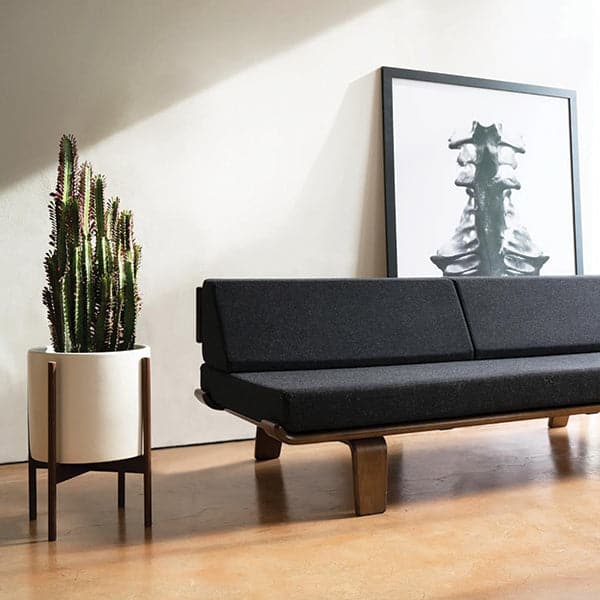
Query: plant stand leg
[[147, 425], [266, 447], [51, 451], [369, 468], [59, 472], [32, 490], [554, 422], [121, 489]]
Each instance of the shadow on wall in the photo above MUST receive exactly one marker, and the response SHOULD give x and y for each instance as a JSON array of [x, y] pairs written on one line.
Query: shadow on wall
[[339, 208], [130, 62], [335, 194], [372, 241]]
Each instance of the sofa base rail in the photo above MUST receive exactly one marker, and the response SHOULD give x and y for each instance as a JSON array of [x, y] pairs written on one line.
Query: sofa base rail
[[558, 417], [368, 447]]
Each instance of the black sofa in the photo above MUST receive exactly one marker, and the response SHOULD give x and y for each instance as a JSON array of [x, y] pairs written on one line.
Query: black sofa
[[355, 360]]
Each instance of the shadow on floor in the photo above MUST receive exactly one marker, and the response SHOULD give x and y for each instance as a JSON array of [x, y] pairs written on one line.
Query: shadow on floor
[[212, 490]]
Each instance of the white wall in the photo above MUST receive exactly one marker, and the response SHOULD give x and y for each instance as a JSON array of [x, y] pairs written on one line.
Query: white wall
[[246, 137]]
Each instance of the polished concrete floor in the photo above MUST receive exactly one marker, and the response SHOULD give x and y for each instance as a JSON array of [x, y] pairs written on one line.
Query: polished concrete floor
[[499, 511]]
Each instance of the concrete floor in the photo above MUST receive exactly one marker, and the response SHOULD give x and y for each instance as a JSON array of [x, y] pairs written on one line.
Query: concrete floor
[[501, 511]]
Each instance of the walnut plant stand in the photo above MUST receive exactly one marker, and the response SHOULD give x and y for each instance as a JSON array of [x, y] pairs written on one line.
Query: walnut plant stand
[[59, 472]]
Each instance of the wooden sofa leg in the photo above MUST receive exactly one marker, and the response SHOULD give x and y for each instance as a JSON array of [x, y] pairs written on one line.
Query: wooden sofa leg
[[369, 468], [554, 422], [266, 447]]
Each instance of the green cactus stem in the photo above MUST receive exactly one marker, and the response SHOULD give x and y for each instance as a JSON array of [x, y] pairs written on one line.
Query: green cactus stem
[[91, 294]]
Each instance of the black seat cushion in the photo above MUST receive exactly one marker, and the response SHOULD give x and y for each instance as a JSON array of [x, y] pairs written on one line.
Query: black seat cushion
[[531, 316], [330, 399], [275, 324]]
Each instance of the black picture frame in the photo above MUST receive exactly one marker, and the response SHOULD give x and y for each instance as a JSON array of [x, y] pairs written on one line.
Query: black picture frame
[[388, 74]]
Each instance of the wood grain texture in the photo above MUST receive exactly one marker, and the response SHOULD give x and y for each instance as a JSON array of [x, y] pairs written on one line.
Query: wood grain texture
[[369, 471], [342, 435], [147, 428], [554, 422], [466, 519], [265, 446], [121, 489], [52, 451], [32, 489]]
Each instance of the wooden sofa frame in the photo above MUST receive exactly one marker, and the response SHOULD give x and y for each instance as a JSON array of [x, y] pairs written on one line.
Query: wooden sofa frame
[[368, 447]]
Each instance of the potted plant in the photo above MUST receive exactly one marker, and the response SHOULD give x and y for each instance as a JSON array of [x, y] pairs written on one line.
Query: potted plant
[[92, 300]]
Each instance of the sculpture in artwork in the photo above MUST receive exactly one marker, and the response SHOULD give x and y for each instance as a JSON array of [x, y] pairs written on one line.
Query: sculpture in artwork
[[489, 239]]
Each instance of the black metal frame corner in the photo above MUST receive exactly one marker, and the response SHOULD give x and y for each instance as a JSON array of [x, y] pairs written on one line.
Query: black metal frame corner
[[388, 74]]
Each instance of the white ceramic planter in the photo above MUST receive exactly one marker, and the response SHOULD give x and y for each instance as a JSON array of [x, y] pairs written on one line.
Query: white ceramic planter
[[98, 404]]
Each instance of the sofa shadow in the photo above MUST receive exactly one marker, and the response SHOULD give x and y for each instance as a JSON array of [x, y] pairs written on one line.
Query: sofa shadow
[[327, 245], [200, 502]]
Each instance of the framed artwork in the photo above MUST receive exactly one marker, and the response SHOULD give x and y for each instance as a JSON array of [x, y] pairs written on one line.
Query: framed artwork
[[480, 177]]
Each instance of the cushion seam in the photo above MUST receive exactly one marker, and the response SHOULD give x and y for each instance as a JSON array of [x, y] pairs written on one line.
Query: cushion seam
[[463, 311], [221, 329]]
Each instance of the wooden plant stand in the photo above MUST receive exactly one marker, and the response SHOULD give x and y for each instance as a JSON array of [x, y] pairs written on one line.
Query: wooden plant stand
[[59, 472]]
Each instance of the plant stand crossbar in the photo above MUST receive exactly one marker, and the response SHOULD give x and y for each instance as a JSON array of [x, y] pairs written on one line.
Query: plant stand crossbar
[[59, 472]]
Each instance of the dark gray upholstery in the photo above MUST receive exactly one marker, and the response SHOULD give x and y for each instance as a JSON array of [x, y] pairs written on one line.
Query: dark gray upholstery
[[267, 325], [329, 399], [318, 355], [531, 316]]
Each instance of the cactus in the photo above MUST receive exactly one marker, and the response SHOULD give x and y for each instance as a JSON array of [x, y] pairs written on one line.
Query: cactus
[[91, 295]]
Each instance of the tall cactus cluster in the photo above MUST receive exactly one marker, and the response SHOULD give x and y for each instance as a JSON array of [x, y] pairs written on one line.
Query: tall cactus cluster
[[91, 268]]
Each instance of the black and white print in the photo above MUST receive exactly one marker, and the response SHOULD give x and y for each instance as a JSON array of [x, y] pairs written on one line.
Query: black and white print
[[481, 177]]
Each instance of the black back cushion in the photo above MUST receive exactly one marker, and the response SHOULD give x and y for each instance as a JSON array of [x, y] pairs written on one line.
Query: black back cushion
[[258, 325], [531, 316]]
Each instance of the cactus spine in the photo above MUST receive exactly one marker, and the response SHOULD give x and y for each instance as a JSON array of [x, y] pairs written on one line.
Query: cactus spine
[[92, 293]]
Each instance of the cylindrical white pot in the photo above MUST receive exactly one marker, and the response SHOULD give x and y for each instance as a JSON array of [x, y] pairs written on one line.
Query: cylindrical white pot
[[98, 404]]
